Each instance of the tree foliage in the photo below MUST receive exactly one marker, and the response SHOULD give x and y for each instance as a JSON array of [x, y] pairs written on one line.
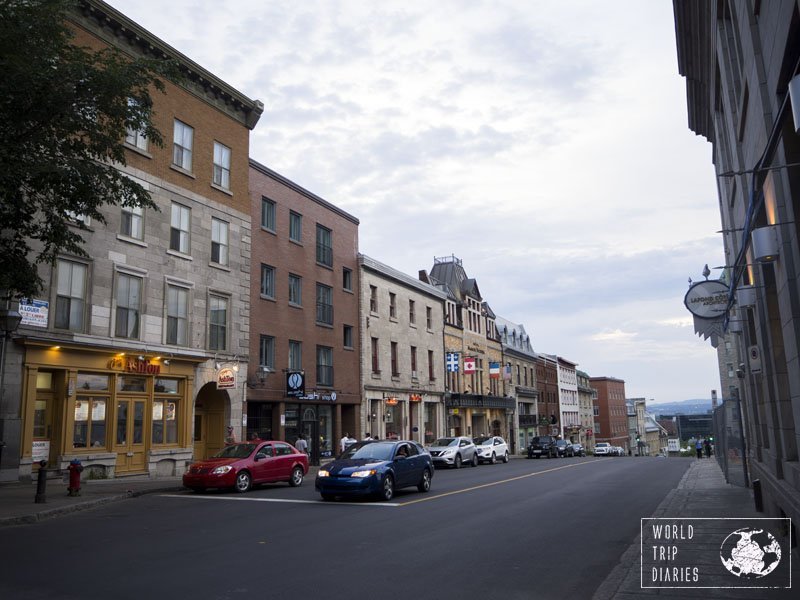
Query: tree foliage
[[64, 113]]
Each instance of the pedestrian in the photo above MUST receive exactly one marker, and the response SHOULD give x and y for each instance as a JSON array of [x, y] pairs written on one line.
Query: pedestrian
[[367, 437], [343, 443], [699, 447], [707, 445], [301, 444]]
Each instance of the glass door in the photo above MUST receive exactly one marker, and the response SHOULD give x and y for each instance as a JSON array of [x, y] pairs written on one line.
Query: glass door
[[129, 436]]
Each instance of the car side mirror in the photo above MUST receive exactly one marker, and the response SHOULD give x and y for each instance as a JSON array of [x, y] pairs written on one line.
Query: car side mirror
[[260, 456]]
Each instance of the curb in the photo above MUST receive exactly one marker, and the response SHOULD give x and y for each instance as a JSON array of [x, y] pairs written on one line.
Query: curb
[[43, 515]]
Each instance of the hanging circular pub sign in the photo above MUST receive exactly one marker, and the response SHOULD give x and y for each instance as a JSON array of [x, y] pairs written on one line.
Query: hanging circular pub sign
[[707, 299]]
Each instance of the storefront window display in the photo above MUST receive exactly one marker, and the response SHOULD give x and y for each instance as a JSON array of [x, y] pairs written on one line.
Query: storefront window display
[[325, 431], [165, 411], [431, 424], [90, 422], [394, 420]]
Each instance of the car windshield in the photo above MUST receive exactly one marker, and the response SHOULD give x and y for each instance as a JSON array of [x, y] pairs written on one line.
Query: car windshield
[[603, 445], [483, 441], [236, 451], [445, 442], [372, 451]]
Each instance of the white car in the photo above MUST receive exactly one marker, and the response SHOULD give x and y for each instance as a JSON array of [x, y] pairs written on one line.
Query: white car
[[603, 449], [491, 448], [620, 451]]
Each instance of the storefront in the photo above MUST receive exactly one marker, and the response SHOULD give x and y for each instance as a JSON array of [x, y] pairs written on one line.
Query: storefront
[[117, 414], [409, 416], [474, 415]]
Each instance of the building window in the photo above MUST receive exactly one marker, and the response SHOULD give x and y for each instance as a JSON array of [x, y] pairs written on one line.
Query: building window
[[268, 281], [324, 365], [267, 214], [217, 323], [222, 166], [413, 361], [428, 317], [373, 299], [134, 137], [431, 372], [219, 242], [412, 314], [179, 229], [165, 421], [177, 316], [70, 295], [376, 365], [347, 279], [132, 222], [295, 355], [266, 352], [295, 290], [182, 146], [324, 246], [395, 368], [392, 306], [324, 304], [347, 336], [295, 226], [90, 422], [129, 306]]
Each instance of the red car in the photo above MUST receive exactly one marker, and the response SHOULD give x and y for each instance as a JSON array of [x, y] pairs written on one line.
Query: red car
[[240, 466]]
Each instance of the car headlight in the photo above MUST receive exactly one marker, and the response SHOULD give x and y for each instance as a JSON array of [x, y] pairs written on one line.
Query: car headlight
[[448, 451], [221, 470], [366, 473], [323, 473]]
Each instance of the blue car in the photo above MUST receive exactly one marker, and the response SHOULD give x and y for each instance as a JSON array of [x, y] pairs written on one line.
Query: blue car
[[376, 468]]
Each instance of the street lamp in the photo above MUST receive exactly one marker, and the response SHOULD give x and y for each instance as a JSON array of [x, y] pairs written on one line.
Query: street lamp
[[9, 321]]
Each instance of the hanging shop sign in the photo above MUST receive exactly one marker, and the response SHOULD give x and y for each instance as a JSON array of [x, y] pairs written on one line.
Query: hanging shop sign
[[707, 299], [296, 384], [226, 378]]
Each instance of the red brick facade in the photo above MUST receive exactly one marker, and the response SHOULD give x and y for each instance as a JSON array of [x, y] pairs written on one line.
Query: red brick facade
[[613, 414]]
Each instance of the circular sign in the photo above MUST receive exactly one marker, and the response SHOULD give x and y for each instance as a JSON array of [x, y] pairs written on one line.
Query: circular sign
[[295, 381], [707, 299], [333, 396]]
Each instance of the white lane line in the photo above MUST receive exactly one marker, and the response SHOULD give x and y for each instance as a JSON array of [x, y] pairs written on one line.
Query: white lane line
[[284, 500]]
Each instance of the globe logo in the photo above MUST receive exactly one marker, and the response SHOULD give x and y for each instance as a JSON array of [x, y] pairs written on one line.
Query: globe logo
[[750, 553]]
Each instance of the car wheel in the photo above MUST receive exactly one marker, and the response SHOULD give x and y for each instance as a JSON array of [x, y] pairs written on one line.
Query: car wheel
[[475, 460], [493, 460], [425, 483], [387, 489], [457, 462], [297, 477], [243, 482], [505, 457], [327, 497]]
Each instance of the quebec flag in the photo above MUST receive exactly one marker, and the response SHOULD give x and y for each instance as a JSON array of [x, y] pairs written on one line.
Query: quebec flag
[[451, 359]]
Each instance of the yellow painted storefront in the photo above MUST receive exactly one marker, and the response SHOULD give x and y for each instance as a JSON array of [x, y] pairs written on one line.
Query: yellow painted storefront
[[117, 414]]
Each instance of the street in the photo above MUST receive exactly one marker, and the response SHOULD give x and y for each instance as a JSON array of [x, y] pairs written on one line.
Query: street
[[526, 529]]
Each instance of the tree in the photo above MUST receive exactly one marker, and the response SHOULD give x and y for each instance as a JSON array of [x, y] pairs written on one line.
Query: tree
[[64, 113]]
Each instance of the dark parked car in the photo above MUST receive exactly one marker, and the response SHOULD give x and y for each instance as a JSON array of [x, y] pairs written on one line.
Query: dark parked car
[[542, 445], [240, 466], [376, 468], [578, 449], [564, 448]]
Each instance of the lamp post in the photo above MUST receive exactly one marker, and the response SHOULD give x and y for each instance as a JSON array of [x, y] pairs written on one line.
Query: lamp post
[[9, 321]]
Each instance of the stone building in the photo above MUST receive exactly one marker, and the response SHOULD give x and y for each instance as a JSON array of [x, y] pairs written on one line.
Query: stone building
[[586, 397], [519, 381], [474, 400], [402, 362], [741, 61], [128, 360]]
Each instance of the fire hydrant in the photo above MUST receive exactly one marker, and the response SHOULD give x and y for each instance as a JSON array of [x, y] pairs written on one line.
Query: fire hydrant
[[75, 469]]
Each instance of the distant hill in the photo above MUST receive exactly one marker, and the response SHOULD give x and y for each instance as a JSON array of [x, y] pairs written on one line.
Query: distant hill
[[684, 407]]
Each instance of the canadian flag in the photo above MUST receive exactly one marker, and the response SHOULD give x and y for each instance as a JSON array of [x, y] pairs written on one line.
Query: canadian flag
[[469, 365]]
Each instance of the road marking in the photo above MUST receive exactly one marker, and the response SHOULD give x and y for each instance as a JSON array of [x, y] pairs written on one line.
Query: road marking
[[284, 500], [485, 485]]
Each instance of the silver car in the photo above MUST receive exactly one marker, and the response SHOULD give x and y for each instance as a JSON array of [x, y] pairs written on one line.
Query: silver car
[[453, 452]]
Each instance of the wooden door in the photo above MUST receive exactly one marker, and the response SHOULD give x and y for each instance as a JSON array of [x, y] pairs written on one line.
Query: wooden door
[[129, 436]]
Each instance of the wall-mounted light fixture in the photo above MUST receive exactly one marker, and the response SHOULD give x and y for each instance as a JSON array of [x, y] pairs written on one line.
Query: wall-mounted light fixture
[[765, 244], [746, 295]]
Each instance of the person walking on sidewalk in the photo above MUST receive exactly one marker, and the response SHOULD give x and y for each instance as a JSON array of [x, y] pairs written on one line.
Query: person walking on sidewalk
[[699, 447], [707, 446], [301, 444]]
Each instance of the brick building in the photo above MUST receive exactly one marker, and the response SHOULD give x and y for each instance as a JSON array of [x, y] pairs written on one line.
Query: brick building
[[611, 419], [305, 333]]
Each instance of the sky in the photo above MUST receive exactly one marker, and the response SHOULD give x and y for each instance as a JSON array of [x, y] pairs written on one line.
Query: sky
[[544, 143]]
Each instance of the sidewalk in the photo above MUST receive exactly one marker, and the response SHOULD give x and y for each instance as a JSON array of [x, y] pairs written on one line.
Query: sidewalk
[[17, 506], [701, 493]]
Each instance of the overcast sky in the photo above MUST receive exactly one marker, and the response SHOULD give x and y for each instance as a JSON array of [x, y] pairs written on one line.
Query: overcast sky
[[544, 143]]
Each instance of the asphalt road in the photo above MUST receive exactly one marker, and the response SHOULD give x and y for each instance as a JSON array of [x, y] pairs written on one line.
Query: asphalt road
[[529, 529]]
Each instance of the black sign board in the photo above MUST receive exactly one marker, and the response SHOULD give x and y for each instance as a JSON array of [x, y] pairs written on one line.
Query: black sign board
[[295, 384]]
